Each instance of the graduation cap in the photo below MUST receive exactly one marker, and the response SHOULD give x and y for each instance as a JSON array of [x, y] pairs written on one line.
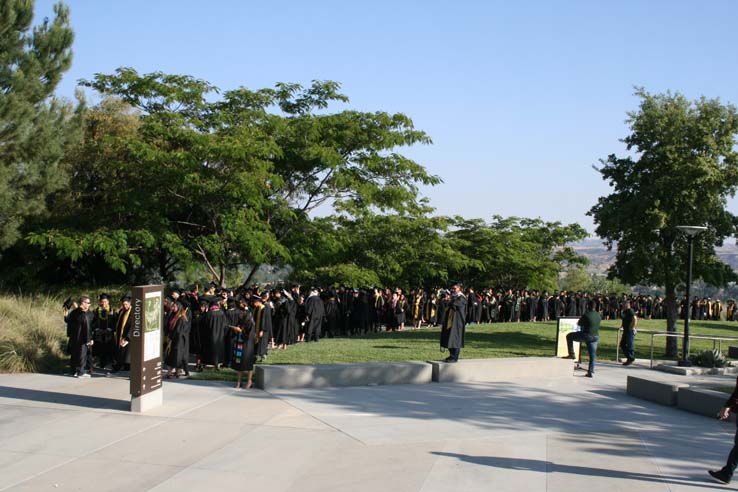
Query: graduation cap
[[256, 297], [181, 304], [126, 297], [67, 304], [103, 296]]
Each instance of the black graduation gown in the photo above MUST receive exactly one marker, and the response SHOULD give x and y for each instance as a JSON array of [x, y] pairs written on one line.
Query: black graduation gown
[[103, 328], [232, 316], [315, 313], [123, 327], [292, 324], [178, 355], [332, 316], [196, 333], [266, 326], [281, 322], [453, 329], [244, 343], [214, 326]]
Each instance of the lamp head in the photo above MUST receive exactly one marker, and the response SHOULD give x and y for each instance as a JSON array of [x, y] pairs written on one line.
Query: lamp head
[[691, 231]]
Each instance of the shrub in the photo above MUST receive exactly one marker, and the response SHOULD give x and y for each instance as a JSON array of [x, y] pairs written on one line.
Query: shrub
[[709, 358], [32, 334]]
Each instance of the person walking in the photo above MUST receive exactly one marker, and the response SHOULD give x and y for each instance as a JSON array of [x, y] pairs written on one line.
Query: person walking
[[725, 474]]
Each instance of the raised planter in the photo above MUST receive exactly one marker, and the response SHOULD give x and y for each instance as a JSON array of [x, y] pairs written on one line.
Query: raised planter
[[656, 391], [702, 401], [328, 375], [491, 370]]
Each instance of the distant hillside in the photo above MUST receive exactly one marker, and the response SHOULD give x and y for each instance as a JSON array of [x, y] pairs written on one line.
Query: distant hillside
[[600, 258]]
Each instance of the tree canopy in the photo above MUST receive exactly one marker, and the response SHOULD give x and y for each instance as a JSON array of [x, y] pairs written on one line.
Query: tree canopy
[[683, 168], [230, 174], [35, 128]]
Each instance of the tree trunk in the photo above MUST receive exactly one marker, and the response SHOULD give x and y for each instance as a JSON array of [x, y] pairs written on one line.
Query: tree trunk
[[222, 279], [671, 319], [251, 274]]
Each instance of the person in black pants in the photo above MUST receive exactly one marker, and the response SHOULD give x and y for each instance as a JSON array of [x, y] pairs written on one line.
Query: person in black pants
[[589, 324], [725, 474], [628, 325]]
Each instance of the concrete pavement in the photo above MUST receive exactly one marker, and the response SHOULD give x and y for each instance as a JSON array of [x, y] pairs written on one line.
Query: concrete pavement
[[61, 433]]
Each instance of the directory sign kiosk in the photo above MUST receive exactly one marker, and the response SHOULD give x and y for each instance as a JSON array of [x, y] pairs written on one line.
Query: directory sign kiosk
[[146, 340], [565, 326]]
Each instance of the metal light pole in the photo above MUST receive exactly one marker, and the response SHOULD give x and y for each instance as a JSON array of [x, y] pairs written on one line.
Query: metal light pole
[[691, 232]]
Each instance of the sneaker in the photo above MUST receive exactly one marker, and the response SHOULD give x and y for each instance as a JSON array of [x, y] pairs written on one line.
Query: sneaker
[[570, 356], [85, 375], [589, 375], [628, 362], [720, 476]]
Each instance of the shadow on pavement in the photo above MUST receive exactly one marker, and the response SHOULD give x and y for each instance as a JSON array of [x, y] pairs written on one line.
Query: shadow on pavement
[[549, 467], [95, 402]]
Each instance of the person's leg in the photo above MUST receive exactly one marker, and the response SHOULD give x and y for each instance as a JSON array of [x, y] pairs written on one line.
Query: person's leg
[[732, 462], [454, 353], [725, 474], [592, 352], [574, 336], [249, 382], [631, 345]]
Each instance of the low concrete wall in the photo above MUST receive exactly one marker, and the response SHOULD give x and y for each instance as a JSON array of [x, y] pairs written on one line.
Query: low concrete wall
[[490, 370], [702, 401], [327, 375], [655, 391]]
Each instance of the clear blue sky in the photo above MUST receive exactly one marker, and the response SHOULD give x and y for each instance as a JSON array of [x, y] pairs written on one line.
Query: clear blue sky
[[520, 98]]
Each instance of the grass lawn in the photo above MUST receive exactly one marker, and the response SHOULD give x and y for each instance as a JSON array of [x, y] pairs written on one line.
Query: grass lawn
[[482, 341]]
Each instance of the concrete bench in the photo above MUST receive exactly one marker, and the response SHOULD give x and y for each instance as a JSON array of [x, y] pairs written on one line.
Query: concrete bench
[[331, 375], [492, 370], [702, 401], [656, 391]]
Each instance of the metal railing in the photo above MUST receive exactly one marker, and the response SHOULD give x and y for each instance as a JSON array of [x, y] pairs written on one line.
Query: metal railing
[[655, 334]]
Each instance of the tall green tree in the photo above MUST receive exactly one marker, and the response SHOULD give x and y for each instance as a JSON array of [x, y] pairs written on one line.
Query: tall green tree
[[401, 249], [683, 167], [35, 128], [227, 177], [514, 252]]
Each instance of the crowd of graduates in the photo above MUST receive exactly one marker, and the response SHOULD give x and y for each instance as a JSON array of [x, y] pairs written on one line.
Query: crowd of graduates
[[236, 328]]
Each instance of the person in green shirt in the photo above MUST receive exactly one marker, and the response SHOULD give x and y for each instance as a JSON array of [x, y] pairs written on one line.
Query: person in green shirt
[[589, 325]]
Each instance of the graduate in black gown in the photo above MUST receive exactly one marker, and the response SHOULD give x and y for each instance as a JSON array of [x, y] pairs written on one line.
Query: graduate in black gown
[[178, 333], [453, 329], [245, 341], [263, 321], [123, 326], [196, 328], [103, 327], [213, 334], [314, 315], [332, 314], [280, 320], [293, 327], [232, 315]]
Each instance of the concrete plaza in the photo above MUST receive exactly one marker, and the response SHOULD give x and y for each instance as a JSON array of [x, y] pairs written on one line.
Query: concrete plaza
[[61, 433]]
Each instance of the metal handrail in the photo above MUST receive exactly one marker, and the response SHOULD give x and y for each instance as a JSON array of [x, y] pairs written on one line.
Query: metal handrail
[[655, 334]]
